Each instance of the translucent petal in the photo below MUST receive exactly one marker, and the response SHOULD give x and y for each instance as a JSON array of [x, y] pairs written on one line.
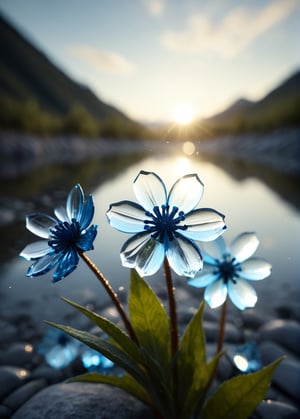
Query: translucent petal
[[215, 294], [40, 224], [184, 257], [36, 250], [203, 225], [87, 239], [144, 254], [255, 269], [186, 193], [149, 190], [203, 280], [61, 356], [43, 265], [67, 263], [61, 214], [126, 216], [216, 248], [242, 294], [87, 214], [209, 260], [243, 246], [74, 203]]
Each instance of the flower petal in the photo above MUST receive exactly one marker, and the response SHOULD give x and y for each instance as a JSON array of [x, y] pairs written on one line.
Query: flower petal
[[242, 294], [61, 214], [184, 257], [216, 248], [36, 250], [143, 253], [204, 279], [40, 224], [87, 213], [127, 216], [255, 269], [186, 193], [150, 190], [203, 225], [215, 294], [243, 246], [43, 265], [87, 239], [67, 263], [74, 203]]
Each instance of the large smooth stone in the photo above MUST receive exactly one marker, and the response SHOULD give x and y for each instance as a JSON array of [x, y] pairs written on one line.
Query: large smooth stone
[[83, 401]]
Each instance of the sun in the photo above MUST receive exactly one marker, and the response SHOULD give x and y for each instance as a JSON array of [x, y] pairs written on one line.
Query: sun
[[183, 114]]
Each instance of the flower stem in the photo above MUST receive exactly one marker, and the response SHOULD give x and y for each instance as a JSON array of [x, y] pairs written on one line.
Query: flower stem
[[222, 327], [172, 308], [113, 295]]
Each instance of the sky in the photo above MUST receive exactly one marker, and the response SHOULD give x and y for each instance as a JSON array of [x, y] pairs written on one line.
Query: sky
[[151, 57]]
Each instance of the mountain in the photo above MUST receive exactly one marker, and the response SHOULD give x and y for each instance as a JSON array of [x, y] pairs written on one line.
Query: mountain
[[280, 107], [27, 74]]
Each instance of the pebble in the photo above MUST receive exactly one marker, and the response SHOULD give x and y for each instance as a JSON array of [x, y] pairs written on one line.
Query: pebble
[[285, 332]]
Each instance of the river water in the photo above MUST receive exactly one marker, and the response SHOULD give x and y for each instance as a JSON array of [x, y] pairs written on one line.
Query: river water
[[252, 198]]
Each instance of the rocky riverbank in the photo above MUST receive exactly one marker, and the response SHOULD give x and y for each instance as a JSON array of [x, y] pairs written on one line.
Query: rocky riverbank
[[31, 389]]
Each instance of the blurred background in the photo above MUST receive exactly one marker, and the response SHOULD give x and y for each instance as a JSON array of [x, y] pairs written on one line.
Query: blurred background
[[93, 93]]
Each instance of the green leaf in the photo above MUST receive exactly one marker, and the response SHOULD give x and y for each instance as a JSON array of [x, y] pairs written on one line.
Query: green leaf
[[150, 321], [237, 398], [193, 372], [126, 383], [108, 349], [112, 330]]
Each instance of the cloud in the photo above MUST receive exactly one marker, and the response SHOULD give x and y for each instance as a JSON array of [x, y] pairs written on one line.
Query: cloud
[[235, 32], [104, 61], [155, 7]]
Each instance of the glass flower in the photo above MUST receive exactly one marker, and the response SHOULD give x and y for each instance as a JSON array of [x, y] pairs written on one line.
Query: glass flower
[[63, 237], [58, 348], [228, 270], [165, 225], [94, 361]]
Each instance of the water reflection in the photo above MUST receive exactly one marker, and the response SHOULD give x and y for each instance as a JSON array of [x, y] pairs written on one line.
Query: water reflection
[[246, 197]]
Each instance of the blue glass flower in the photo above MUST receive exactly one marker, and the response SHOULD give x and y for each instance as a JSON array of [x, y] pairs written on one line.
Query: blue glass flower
[[58, 348], [94, 361], [228, 270], [63, 237], [165, 225]]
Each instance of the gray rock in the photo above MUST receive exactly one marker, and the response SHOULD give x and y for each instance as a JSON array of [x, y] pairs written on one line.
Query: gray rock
[[232, 333], [18, 397], [18, 355], [5, 413], [287, 378], [8, 333], [51, 375], [284, 332], [275, 410], [11, 378], [83, 401], [270, 351], [252, 320]]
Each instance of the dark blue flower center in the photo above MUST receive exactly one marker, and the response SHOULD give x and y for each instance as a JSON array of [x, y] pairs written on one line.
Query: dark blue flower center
[[64, 235], [228, 269], [164, 223]]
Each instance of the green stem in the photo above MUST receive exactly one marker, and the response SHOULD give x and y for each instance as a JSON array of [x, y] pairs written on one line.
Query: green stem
[[172, 308], [113, 295]]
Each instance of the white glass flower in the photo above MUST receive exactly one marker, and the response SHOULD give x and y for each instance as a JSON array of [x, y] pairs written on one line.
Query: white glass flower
[[165, 225], [227, 272]]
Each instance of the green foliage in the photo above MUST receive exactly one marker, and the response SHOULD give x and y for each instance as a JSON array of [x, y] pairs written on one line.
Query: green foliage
[[174, 388], [238, 397]]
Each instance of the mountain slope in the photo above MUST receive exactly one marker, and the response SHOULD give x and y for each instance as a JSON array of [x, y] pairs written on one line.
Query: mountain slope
[[27, 74], [280, 107]]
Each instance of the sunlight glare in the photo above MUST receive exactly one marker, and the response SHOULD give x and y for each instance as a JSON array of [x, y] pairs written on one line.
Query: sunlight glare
[[188, 148], [183, 114]]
